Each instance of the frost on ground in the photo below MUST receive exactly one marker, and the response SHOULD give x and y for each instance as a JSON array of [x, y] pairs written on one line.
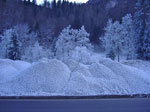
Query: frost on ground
[[53, 77]]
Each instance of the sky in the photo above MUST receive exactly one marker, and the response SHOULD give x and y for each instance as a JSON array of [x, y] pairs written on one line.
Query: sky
[[79, 1]]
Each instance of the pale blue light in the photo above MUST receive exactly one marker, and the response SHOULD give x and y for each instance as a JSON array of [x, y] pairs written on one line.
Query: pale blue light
[[79, 1]]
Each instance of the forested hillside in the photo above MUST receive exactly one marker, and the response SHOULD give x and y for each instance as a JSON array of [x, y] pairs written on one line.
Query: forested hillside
[[50, 18], [62, 29]]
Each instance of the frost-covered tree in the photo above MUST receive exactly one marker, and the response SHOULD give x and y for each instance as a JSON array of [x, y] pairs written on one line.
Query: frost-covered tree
[[111, 54], [120, 38], [13, 48], [82, 55], [23, 36], [106, 39], [33, 53], [82, 38], [69, 39], [129, 36], [0, 38], [142, 25], [36, 52], [113, 39], [5, 39]]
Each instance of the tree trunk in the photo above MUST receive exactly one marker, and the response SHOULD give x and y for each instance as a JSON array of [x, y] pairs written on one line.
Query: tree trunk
[[118, 54]]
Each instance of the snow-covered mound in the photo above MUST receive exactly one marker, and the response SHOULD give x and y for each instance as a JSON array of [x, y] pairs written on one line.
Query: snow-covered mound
[[54, 77], [133, 77], [143, 65], [49, 76], [77, 85], [9, 69], [101, 81], [100, 71], [82, 85], [109, 79], [75, 66]]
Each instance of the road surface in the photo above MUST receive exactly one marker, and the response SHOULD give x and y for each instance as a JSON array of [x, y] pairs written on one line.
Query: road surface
[[73, 105]]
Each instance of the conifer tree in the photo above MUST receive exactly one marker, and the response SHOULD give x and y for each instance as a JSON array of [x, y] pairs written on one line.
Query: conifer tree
[[129, 37], [13, 49], [142, 25]]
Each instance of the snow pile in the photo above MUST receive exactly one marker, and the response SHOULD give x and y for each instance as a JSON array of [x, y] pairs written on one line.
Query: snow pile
[[143, 65], [54, 77], [38, 93], [109, 79], [75, 66], [77, 85], [82, 85], [100, 71], [49, 76], [10, 69], [133, 77]]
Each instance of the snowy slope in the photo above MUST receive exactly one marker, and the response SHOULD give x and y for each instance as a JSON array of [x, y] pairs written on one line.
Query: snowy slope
[[9, 69], [43, 76], [54, 77]]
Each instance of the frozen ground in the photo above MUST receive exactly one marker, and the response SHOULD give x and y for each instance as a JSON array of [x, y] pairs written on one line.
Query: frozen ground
[[54, 77]]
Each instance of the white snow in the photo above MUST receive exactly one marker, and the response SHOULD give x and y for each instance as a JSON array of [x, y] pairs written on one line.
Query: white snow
[[54, 77], [75, 66], [10, 69], [49, 76]]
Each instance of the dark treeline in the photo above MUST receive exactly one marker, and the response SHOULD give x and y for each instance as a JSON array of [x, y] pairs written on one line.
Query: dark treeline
[[50, 18]]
